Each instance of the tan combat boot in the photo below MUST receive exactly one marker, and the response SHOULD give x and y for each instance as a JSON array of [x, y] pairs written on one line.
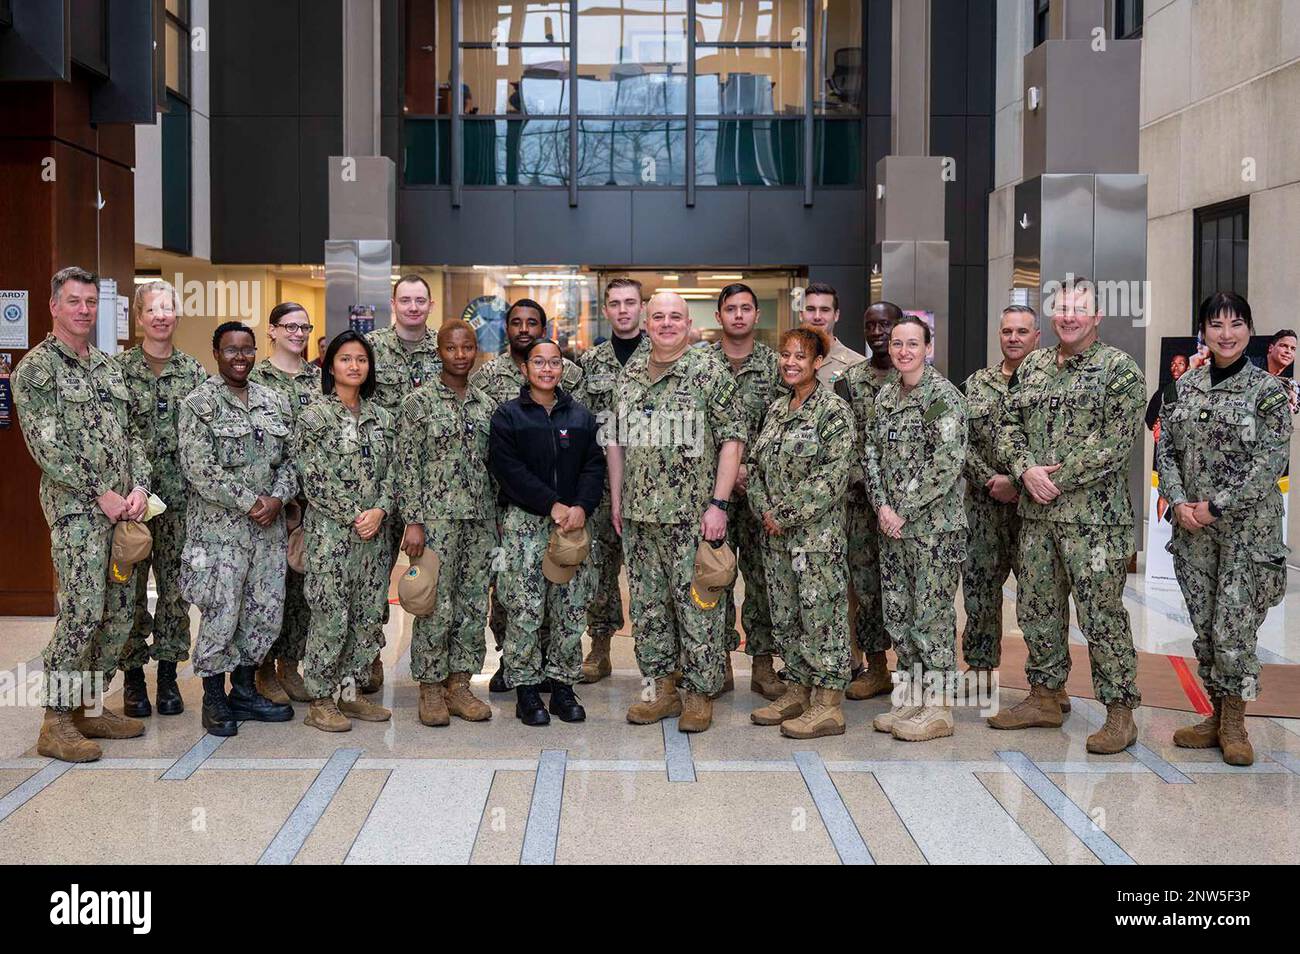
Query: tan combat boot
[[728, 681], [886, 720], [106, 725], [792, 704], [290, 680], [824, 716], [597, 665], [874, 680], [1117, 734], [1233, 740], [663, 704], [925, 723], [1038, 710], [265, 682], [763, 679], [462, 703], [1203, 735], [324, 715], [433, 707], [365, 710], [60, 739], [697, 712], [1062, 698]]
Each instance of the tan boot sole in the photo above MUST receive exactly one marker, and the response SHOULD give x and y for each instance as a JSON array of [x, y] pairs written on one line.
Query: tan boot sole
[[771, 691], [818, 731], [366, 715], [436, 723], [885, 721], [651, 719], [1195, 741], [777, 718], [937, 730], [93, 754], [1239, 758], [859, 690], [92, 727], [693, 727], [327, 728], [466, 717], [595, 673], [1097, 749], [1041, 723]]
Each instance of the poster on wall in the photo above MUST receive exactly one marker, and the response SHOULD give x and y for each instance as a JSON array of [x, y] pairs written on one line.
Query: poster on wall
[[13, 319], [361, 319], [6, 395], [1178, 355]]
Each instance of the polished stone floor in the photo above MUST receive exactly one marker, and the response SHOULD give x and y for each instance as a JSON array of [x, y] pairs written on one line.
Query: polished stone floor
[[607, 791]]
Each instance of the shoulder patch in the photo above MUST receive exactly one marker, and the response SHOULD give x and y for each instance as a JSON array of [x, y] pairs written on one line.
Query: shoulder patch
[[725, 389], [203, 406], [833, 427], [936, 410], [30, 374], [314, 417], [1272, 401], [1124, 381]]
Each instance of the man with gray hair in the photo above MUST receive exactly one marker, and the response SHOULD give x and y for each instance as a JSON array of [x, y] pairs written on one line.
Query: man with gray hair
[[73, 406], [992, 496]]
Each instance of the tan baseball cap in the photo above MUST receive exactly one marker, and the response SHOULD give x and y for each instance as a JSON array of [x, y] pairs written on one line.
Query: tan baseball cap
[[565, 553], [132, 542], [417, 590], [297, 554], [715, 571]]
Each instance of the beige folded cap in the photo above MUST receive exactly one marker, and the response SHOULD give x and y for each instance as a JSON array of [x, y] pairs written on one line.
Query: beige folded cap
[[132, 542], [297, 555], [417, 590], [565, 553], [715, 571]]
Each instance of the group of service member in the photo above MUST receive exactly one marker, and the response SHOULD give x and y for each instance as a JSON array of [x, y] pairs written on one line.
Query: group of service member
[[526, 484]]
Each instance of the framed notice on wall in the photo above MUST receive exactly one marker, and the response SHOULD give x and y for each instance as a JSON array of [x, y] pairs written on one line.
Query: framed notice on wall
[[13, 319]]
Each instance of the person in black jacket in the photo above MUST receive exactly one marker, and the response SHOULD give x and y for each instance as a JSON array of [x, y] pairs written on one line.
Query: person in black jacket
[[550, 469]]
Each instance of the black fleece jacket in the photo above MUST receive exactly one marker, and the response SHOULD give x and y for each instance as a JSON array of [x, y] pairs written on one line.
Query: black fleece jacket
[[540, 459]]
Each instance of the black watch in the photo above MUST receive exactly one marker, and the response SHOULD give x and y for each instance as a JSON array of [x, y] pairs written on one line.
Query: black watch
[[1215, 512], [720, 504]]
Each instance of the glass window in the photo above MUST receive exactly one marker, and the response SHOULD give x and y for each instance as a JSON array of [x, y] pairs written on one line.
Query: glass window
[[503, 80], [1221, 251], [841, 65], [749, 82], [428, 60], [426, 152], [748, 21], [769, 152], [516, 152], [1128, 19], [643, 153], [631, 57], [522, 21]]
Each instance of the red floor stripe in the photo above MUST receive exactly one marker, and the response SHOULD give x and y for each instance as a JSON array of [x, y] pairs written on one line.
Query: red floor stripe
[[1195, 694]]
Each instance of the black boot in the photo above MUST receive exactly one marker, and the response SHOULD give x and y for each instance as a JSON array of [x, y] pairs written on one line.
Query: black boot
[[135, 695], [565, 705], [529, 708], [247, 703], [498, 681], [169, 696], [217, 717]]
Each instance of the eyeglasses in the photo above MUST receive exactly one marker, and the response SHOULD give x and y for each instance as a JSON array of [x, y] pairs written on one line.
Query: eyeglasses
[[295, 329], [231, 353], [540, 363]]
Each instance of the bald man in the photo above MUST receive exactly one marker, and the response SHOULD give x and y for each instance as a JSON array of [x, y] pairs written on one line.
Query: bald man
[[675, 446]]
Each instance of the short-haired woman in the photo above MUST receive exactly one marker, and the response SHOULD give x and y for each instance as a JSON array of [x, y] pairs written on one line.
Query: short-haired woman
[[1225, 432], [343, 449], [914, 456], [798, 474]]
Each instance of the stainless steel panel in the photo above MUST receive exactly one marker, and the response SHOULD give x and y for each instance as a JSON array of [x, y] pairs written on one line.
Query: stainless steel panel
[[913, 202], [897, 272], [363, 205], [1027, 269], [357, 273], [1066, 236], [931, 294]]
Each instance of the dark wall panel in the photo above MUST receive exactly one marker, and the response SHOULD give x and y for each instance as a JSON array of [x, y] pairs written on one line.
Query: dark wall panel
[[666, 232], [879, 17], [320, 58], [255, 53], [783, 231], [948, 57], [319, 138], [548, 231], [255, 175], [481, 231]]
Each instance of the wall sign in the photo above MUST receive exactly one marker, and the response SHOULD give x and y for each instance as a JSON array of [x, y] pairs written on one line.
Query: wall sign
[[13, 319]]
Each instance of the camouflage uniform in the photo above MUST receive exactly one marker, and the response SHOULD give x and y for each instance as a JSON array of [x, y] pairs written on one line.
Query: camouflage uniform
[[1086, 416], [1228, 444], [232, 569], [600, 376], [671, 431], [500, 379], [859, 386], [758, 384], [345, 463], [155, 408], [529, 598], [299, 390], [913, 462], [398, 372], [799, 471], [991, 549], [442, 483], [74, 416]]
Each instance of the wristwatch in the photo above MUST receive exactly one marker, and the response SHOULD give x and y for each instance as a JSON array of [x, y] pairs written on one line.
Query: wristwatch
[[720, 504], [1215, 512]]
